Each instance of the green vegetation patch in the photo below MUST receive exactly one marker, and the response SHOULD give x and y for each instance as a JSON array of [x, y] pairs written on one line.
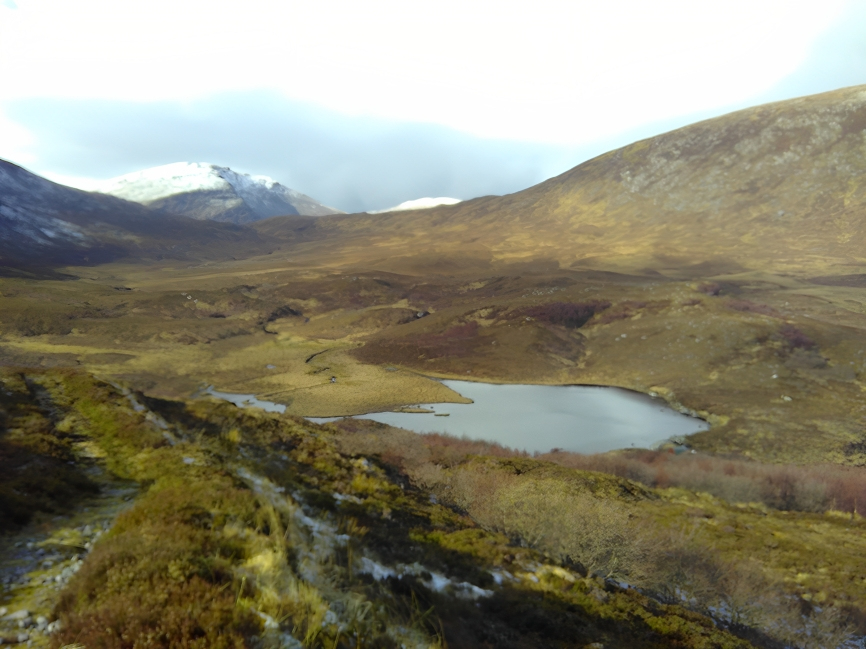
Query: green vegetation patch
[[254, 527], [38, 473]]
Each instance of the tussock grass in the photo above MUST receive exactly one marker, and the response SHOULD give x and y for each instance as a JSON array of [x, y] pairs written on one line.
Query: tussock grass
[[752, 568], [35, 456], [252, 526]]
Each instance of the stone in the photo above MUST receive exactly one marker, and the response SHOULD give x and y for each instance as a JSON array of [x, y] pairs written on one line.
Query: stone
[[19, 615]]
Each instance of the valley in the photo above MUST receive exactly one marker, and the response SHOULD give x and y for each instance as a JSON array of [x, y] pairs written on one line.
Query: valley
[[719, 267], [769, 364]]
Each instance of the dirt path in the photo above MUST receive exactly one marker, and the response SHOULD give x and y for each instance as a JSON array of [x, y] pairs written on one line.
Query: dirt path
[[38, 561]]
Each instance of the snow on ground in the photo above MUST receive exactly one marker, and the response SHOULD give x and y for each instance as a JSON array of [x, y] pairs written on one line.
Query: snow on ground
[[420, 204]]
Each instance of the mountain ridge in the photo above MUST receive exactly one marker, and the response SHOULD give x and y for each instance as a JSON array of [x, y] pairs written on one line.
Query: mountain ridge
[[205, 191], [773, 188], [43, 223]]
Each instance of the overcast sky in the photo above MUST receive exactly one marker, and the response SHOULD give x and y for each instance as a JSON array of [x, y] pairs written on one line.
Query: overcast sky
[[363, 105]]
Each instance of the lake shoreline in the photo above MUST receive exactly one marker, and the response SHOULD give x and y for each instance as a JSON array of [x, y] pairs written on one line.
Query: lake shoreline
[[533, 417]]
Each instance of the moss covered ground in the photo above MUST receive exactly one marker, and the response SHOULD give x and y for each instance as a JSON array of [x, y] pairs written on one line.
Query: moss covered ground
[[256, 529]]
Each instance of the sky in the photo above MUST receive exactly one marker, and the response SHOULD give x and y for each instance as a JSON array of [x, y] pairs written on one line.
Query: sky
[[363, 105]]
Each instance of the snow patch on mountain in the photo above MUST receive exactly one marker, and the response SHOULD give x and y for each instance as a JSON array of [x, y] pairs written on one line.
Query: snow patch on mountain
[[149, 185], [262, 195], [420, 204]]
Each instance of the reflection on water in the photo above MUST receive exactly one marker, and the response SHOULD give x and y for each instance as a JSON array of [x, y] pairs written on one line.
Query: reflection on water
[[584, 419]]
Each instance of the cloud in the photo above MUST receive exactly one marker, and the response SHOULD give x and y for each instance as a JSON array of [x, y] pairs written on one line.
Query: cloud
[[354, 163], [355, 159], [836, 60], [549, 71]]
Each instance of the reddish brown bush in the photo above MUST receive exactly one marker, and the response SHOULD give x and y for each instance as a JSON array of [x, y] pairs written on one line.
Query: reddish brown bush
[[787, 487], [798, 488], [566, 314], [710, 288], [747, 306], [186, 615], [795, 338]]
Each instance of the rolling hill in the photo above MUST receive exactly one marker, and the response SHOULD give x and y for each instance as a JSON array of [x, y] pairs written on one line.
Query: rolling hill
[[773, 188]]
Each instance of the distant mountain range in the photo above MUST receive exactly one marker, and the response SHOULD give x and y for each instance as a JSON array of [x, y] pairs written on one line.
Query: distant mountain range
[[43, 223], [773, 188], [205, 191]]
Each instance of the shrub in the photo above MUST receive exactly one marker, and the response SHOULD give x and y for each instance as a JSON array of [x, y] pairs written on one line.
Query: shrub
[[747, 306], [601, 537], [710, 288], [163, 613], [566, 314], [795, 338], [816, 488]]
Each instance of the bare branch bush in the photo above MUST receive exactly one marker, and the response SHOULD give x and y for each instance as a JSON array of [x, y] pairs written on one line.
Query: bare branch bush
[[610, 539]]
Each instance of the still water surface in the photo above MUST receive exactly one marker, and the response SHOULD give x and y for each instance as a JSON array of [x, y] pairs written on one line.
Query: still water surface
[[585, 419]]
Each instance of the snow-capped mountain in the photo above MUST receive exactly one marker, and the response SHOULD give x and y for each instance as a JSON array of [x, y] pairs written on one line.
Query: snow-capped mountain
[[208, 192], [42, 222], [420, 204]]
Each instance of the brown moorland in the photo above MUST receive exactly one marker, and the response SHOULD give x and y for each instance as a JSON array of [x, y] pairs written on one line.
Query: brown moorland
[[719, 267]]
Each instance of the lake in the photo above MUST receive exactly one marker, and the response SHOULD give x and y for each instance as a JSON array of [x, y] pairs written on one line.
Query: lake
[[584, 419]]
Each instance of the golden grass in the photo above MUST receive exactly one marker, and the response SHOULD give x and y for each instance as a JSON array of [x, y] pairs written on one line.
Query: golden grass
[[700, 352]]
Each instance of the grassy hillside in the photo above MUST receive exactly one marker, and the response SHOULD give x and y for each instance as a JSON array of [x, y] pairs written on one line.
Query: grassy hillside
[[277, 532], [718, 267], [775, 188]]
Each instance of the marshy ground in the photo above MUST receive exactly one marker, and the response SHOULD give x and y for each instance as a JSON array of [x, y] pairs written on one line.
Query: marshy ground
[[774, 363]]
